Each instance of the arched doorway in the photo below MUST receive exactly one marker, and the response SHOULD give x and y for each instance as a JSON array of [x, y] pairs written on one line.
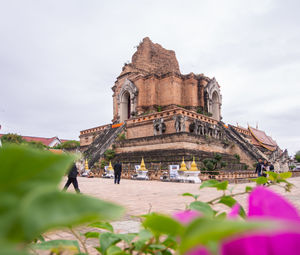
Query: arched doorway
[[125, 106], [215, 106]]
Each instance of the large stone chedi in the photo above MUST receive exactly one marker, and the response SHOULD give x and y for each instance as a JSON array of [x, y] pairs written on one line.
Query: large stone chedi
[[153, 82], [164, 115]]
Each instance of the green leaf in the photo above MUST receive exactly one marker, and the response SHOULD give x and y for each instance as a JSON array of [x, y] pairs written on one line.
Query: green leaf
[[260, 180], [145, 234], [92, 234], [45, 209], [102, 225], [221, 216], [285, 175], [22, 169], [272, 176], [60, 244], [157, 246], [230, 202], [170, 242], [208, 183], [106, 240], [114, 250], [248, 189], [190, 195], [203, 208], [206, 231], [162, 224], [214, 184], [8, 249], [126, 237]]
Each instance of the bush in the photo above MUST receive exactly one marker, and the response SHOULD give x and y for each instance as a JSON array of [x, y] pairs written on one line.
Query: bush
[[237, 156], [121, 137], [12, 138], [218, 156], [297, 156], [109, 154], [69, 145], [223, 164], [103, 163]]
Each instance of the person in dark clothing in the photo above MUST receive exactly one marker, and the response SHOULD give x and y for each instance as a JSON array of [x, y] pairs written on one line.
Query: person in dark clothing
[[72, 178], [265, 168], [271, 167], [258, 169], [117, 172]]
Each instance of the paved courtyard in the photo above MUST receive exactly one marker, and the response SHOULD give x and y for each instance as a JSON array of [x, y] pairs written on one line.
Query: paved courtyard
[[140, 197]]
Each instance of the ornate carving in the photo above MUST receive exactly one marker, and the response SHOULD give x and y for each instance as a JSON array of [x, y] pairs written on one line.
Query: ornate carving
[[180, 123], [159, 127], [201, 128]]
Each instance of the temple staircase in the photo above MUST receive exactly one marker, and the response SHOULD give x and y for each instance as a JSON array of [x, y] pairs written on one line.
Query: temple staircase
[[102, 142], [245, 145]]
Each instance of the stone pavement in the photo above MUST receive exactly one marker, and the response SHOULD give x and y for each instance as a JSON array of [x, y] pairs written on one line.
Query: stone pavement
[[140, 197]]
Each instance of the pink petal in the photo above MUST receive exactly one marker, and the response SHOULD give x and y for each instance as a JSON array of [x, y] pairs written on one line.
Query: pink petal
[[200, 250], [235, 211], [186, 216], [266, 203], [279, 244]]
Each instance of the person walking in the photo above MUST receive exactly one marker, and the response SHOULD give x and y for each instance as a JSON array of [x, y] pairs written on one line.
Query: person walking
[[117, 172], [258, 169], [72, 178], [265, 168]]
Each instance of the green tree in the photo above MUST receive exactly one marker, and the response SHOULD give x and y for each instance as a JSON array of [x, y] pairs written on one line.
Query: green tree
[[12, 138], [297, 156]]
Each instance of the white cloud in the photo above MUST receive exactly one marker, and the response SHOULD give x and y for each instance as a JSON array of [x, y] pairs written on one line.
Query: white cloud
[[59, 59]]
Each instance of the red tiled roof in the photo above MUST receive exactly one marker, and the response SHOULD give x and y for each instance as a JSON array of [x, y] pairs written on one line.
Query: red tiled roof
[[43, 140], [64, 140], [259, 137]]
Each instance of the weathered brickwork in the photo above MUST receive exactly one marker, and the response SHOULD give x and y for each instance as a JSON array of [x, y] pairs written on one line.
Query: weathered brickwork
[[153, 80]]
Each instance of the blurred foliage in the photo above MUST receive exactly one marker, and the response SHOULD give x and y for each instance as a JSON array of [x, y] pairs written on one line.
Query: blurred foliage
[[297, 156], [68, 145], [31, 202]]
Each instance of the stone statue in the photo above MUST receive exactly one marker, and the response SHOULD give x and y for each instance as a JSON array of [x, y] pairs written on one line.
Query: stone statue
[[180, 123], [159, 126]]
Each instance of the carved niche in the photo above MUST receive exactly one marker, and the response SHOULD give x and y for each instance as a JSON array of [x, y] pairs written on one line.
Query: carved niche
[[213, 99], [128, 87]]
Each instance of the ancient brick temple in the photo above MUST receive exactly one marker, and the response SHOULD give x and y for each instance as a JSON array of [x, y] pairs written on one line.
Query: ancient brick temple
[[162, 115], [152, 82]]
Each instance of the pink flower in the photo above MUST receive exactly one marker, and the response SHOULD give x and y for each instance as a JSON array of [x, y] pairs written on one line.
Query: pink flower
[[186, 216], [235, 211], [265, 204]]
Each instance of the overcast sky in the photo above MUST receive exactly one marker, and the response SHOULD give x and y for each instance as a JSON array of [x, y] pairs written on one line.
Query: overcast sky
[[59, 59]]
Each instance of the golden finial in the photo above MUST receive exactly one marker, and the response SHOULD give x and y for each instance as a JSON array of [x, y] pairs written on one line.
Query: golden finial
[[194, 165], [143, 167], [110, 168], [183, 166], [86, 164]]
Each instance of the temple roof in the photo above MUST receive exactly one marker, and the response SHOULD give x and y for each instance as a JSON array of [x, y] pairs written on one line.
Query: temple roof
[[259, 137]]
